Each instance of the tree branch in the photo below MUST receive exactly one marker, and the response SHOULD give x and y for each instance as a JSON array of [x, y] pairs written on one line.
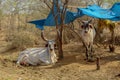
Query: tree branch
[[47, 4]]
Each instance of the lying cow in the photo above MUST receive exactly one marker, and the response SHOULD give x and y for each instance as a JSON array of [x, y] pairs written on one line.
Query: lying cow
[[35, 56], [88, 34]]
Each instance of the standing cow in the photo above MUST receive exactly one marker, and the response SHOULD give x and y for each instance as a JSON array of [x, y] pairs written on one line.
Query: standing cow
[[88, 34]]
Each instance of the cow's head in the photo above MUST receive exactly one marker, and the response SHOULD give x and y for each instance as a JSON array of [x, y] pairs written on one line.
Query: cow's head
[[50, 45], [86, 26]]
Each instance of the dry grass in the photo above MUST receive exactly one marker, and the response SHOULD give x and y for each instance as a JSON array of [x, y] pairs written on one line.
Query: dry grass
[[24, 39], [72, 67]]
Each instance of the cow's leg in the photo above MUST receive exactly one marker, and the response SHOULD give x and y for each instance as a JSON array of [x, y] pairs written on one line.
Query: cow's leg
[[83, 44], [87, 51], [90, 53]]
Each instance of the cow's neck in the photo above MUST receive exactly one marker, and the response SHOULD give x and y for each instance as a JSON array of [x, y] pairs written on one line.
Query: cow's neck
[[52, 55]]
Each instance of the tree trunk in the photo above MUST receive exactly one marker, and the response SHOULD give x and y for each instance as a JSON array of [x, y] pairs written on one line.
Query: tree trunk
[[111, 46], [60, 49], [113, 37]]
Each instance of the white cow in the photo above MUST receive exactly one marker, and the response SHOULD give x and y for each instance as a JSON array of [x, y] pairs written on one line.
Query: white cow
[[35, 56], [88, 34]]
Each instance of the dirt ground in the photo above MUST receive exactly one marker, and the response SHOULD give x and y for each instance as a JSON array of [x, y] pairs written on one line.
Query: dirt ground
[[72, 67]]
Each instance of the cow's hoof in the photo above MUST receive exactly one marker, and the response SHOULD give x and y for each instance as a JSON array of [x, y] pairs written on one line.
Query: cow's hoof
[[111, 48], [90, 60], [85, 59]]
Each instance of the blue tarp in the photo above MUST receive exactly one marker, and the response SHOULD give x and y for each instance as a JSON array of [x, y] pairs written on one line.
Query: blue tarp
[[49, 21], [39, 23], [92, 10], [97, 12]]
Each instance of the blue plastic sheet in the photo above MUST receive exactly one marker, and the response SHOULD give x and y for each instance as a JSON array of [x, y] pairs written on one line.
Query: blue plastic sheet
[[92, 10], [39, 23], [97, 12]]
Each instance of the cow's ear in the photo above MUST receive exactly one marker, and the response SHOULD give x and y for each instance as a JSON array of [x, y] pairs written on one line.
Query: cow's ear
[[55, 45], [83, 22], [90, 21], [82, 26], [90, 26], [46, 45]]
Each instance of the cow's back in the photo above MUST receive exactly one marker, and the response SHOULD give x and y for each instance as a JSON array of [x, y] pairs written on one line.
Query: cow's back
[[34, 56]]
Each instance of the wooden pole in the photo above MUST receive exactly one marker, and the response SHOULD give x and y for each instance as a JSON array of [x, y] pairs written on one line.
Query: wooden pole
[[98, 63]]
